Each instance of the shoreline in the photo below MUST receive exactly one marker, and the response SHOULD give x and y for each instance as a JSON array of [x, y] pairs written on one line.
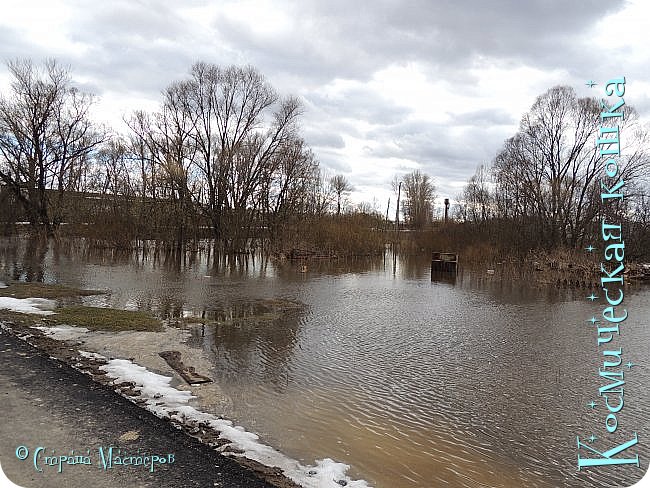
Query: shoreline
[[58, 412], [212, 430]]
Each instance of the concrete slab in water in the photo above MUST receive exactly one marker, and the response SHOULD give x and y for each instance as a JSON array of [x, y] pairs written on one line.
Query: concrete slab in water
[[188, 373]]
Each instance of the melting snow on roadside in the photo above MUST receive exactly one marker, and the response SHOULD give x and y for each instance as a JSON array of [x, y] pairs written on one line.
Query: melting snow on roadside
[[164, 400], [62, 332], [92, 355], [40, 306]]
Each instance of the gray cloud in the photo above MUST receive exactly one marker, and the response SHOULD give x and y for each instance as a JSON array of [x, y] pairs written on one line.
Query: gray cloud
[[448, 158], [14, 46], [484, 117], [332, 163], [361, 104], [351, 40], [337, 39], [318, 139]]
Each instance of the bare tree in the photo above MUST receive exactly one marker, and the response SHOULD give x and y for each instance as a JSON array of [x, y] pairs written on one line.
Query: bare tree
[[477, 197], [287, 195], [116, 171], [546, 175], [165, 139], [223, 138], [340, 187], [319, 194], [46, 137], [419, 193]]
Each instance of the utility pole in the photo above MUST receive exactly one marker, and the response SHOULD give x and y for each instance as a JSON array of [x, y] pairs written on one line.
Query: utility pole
[[387, 209], [399, 192]]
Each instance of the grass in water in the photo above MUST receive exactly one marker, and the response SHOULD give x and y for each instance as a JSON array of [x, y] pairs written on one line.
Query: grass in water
[[93, 318], [43, 290], [108, 319]]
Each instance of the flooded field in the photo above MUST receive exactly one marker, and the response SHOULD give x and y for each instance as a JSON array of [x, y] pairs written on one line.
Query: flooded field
[[479, 381]]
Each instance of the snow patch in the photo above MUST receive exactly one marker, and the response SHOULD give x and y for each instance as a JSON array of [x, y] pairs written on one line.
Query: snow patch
[[3, 284], [63, 332], [92, 355], [39, 306], [153, 387], [168, 402]]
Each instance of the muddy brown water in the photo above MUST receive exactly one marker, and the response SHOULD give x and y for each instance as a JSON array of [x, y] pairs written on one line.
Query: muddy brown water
[[477, 381]]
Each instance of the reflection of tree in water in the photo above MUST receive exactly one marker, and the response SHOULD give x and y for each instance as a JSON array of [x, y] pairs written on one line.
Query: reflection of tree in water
[[32, 265], [237, 265], [252, 340], [414, 267], [301, 268], [8, 258]]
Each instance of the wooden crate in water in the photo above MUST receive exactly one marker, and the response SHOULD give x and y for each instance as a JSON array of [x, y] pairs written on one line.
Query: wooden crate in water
[[444, 262]]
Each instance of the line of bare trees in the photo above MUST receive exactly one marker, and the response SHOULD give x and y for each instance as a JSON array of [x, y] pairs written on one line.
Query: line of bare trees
[[228, 147], [46, 138], [415, 194], [222, 157], [542, 189]]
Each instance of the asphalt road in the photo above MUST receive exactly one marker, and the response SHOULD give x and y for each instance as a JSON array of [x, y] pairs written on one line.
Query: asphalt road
[[50, 405]]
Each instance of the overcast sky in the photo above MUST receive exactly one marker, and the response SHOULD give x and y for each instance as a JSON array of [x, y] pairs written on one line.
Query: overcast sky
[[388, 86]]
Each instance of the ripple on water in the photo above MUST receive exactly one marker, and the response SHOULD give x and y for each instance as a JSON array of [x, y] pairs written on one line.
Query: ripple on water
[[470, 383]]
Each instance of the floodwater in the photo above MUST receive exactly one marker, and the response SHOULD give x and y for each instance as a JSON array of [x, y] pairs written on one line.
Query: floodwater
[[477, 381]]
